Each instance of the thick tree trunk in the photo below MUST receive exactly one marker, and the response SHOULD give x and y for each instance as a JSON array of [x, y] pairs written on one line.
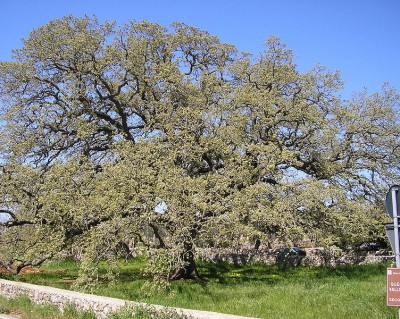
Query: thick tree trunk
[[189, 269]]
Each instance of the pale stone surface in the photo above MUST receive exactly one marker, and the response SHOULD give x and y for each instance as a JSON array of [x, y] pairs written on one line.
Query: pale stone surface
[[101, 306]]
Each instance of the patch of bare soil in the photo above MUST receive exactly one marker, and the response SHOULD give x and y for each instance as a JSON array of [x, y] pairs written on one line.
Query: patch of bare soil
[[30, 270]]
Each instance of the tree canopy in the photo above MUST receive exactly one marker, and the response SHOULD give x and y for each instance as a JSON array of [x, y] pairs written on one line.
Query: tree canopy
[[175, 139]]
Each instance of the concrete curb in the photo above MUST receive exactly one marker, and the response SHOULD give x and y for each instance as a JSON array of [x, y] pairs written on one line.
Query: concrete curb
[[101, 306]]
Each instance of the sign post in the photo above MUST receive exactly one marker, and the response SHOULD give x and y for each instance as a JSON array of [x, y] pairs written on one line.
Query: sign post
[[393, 274], [394, 191]]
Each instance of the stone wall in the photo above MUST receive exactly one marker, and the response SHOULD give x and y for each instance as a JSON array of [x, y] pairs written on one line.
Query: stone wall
[[101, 306], [315, 257], [321, 257]]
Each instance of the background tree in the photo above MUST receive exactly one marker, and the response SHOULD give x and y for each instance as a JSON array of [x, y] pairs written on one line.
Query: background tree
[[171, 137]]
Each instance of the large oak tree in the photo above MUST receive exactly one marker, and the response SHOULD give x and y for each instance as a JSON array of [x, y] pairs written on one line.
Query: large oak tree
[[172, 138]]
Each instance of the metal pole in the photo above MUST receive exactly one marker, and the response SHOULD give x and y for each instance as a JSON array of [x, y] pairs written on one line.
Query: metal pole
[[396, 229]]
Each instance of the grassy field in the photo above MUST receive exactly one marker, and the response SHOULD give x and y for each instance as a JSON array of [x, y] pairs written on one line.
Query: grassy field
[[253, 290], [25, 309]]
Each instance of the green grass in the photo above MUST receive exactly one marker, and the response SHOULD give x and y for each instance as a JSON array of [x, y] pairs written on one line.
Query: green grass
[[253, 290], [22, 306]]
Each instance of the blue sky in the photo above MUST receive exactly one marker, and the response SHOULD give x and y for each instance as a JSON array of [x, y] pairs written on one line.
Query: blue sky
[[361, 38]]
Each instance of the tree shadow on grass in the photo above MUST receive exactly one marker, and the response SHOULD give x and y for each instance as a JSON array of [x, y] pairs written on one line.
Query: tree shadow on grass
[[220, 274], [228, 274]]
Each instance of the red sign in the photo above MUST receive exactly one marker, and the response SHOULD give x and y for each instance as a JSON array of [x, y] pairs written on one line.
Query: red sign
[[393, 287]]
